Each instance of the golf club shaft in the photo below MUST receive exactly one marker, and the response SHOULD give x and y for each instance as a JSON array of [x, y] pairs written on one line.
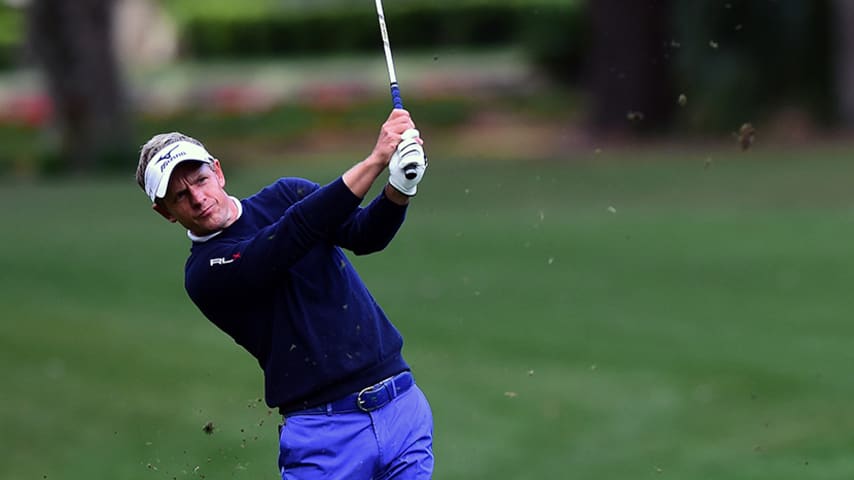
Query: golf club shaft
[[409, 170], [392, 76]]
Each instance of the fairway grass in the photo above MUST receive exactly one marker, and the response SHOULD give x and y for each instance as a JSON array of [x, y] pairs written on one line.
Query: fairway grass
[[621, 316]]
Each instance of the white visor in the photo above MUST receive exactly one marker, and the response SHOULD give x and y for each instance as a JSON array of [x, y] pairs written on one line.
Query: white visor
[[162, 164]]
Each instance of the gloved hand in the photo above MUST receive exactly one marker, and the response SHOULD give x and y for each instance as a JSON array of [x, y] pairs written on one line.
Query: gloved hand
[[407, 164]]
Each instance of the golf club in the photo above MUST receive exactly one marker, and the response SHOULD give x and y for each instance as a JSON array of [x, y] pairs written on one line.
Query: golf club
[[410, 168]]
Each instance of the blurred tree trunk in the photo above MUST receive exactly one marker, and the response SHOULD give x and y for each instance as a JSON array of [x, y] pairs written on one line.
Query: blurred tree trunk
[[630, 65], [73, 42], [844, 29]]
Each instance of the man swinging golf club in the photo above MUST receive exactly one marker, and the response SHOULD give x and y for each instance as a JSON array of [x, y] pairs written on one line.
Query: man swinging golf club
[[269, 270]]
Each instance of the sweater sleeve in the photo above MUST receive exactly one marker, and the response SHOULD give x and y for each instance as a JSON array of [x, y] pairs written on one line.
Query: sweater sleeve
[[372, 228], [256, 260]]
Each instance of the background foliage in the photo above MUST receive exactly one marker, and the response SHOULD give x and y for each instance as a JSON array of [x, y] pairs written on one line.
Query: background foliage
[[574, 306], [748, 60]]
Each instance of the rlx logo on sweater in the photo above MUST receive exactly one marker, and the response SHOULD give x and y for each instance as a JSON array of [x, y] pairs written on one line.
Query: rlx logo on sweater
[[224, 260]]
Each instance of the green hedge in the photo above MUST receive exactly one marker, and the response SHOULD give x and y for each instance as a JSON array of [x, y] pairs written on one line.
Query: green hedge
[[7, 57], [557, 39], [412, 26]]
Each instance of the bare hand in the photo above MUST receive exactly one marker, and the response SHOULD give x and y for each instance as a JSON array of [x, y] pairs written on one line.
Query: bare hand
[[390, 135]]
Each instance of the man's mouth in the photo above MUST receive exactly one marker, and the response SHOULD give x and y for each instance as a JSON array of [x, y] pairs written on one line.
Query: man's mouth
[[205, 213]]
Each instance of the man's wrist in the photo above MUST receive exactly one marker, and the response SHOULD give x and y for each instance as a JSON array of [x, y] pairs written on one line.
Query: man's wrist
[[395, 196]]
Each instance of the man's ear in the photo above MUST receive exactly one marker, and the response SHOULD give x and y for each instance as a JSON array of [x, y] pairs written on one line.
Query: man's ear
[[163, 212], [220, 176]]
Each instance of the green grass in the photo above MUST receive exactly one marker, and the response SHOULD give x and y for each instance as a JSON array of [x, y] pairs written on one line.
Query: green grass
[[628, 316]]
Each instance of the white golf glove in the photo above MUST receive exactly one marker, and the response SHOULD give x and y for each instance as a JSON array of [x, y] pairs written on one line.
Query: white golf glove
[[407, 164]]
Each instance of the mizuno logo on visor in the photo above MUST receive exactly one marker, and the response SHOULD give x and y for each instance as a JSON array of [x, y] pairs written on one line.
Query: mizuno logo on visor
[[167, 157]]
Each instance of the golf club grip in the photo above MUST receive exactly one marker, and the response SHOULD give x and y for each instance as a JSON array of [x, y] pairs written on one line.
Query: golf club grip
[[410, 170], [395, 96]]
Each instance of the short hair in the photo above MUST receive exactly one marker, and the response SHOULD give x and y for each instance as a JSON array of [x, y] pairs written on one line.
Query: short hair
[[154, 145]]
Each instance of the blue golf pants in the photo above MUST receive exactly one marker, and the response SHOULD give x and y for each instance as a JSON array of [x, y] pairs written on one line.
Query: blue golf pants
[[392, 442]]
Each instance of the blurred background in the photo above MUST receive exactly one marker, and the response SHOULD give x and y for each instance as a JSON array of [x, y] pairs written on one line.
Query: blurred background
[[629, 257]]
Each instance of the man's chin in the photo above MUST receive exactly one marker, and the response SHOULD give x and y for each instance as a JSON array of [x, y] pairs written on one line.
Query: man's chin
[[199, 230]]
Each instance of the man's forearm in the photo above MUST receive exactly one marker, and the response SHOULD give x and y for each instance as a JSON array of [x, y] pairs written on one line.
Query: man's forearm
[[361, 176]]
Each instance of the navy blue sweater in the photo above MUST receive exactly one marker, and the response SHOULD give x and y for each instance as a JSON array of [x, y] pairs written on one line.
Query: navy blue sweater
[[279, 284]]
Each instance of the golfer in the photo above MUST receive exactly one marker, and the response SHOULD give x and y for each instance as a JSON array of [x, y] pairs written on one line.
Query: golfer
[[269, 270]]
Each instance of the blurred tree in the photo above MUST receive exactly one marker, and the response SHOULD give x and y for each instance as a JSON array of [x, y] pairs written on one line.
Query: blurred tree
[[629, 65], [73, 42], [844, 43], [754, 60]]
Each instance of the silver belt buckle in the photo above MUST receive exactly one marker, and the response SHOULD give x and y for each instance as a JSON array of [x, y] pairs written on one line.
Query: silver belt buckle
[[360, 402], [373, 388]]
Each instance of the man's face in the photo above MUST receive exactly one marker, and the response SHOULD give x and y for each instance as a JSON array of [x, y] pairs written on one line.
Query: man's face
[[196, 198]]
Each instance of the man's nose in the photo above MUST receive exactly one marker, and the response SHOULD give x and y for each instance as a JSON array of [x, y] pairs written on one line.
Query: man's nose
[[196, 196]]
